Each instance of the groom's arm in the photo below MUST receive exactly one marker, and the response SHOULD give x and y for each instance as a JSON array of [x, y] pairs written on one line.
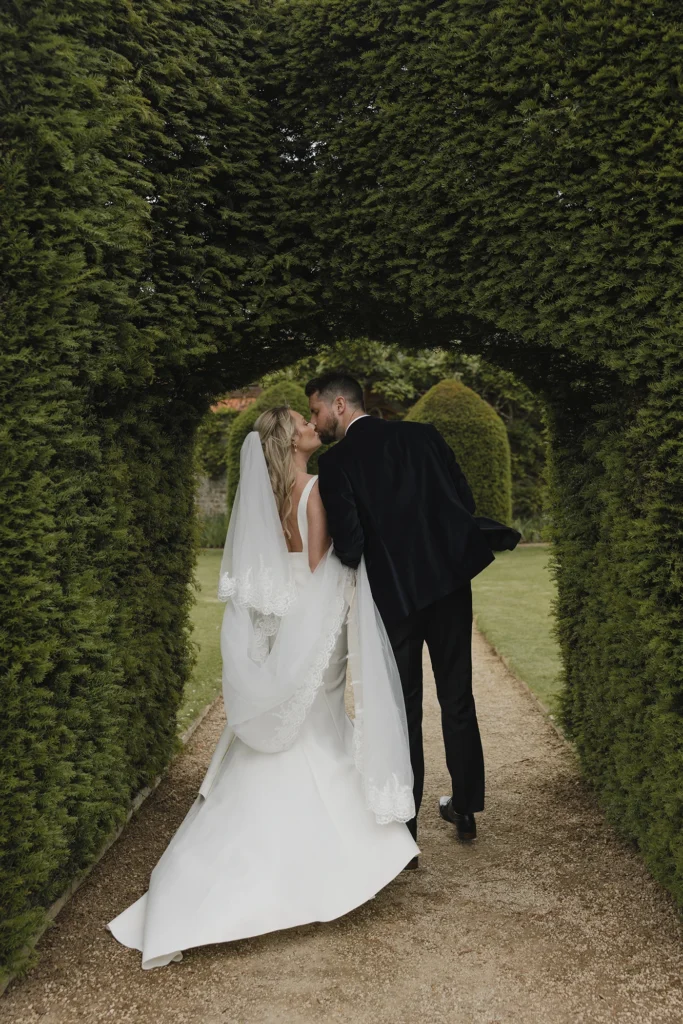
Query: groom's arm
[[342, 514]]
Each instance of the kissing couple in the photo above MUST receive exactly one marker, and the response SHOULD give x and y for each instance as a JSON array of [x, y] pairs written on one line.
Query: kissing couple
[[303, 814]]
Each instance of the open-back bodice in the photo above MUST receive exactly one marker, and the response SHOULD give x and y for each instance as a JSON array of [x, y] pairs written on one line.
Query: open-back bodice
[[300, 558]]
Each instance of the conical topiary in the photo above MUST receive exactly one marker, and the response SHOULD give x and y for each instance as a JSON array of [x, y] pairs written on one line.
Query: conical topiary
[[477, 435]]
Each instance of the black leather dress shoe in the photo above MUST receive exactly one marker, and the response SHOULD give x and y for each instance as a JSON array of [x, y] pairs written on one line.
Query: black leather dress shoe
[[465, 824]]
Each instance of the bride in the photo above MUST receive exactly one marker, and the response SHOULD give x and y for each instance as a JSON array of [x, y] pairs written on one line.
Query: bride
[[301, 815]]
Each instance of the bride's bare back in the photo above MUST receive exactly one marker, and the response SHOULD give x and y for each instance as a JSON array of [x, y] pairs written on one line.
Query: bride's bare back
[[318, 537]]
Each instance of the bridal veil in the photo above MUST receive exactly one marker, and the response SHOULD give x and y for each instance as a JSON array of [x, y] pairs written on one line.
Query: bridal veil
[[277, 639]]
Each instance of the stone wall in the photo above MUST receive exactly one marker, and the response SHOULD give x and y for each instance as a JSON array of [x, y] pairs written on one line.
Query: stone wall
[[212, 495]]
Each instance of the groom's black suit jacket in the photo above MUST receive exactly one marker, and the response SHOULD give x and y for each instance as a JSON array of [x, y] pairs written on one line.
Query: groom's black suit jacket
[[394, 492]]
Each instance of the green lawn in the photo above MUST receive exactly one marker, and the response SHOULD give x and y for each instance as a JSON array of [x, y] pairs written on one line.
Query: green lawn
[[207, 616], [512, 599], [511, 602]]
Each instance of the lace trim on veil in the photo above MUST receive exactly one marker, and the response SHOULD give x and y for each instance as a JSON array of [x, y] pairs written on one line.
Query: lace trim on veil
[[258, 592], [267, 604], [294, 713], [265, 626], [393, 801]]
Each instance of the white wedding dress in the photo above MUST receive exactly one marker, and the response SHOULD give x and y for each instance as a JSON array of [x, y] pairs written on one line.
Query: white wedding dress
[[280, 839]]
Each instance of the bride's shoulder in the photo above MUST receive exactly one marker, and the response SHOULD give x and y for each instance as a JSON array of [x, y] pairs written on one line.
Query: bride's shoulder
[[315, 511], [314, 499], [304, 486]]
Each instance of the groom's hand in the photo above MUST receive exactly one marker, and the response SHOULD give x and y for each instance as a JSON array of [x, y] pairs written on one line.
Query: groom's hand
[[342, 514]]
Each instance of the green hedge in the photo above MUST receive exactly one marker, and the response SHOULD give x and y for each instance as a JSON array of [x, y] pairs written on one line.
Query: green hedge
[[477, 435], [509, 175], [130, 242], [285, 393], [211, 444], [192, 199]]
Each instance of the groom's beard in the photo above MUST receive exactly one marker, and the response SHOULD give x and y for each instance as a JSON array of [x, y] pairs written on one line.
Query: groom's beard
[[328, 432]]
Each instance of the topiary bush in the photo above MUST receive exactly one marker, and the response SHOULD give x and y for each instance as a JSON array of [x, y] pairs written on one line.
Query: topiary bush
[[478, 437], [285, 393], [522, 413]]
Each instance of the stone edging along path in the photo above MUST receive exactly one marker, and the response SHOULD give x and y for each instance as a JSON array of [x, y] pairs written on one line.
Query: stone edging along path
[[547, 919], [550, 717]]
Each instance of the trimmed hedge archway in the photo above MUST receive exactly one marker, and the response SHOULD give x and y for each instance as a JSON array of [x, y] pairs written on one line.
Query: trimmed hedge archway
[[199, 192], [508, 174]]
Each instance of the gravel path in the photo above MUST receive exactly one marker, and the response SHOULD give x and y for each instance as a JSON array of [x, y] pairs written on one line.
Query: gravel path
[[547, 919]]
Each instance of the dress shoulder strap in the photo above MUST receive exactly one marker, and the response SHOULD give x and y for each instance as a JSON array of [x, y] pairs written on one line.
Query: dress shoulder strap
[[301, 518]]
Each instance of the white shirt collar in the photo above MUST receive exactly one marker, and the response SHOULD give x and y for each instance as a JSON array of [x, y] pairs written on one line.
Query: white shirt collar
[[362, 416]]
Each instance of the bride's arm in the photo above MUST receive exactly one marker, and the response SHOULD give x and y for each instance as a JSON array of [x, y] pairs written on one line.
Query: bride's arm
[[318, 537]]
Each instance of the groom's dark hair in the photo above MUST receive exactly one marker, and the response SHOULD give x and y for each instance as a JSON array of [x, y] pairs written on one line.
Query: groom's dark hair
[[336, 382]]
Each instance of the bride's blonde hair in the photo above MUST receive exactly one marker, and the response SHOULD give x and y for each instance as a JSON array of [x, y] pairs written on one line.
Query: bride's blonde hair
[[277, 430]]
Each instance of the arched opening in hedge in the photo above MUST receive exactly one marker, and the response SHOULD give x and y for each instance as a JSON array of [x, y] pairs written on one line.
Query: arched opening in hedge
[[505, 175], [218, 187]]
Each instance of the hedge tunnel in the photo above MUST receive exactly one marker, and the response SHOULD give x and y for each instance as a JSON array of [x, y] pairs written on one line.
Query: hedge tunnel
[[195, 193]]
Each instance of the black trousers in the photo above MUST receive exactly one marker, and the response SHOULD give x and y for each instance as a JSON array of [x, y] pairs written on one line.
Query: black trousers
[[446, 628]]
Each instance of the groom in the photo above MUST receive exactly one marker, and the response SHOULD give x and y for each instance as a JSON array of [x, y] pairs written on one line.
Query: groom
[[394, 492]]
